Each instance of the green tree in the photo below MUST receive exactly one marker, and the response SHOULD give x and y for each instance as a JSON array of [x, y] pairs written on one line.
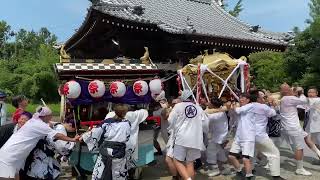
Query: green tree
[[303, 59], [237, 9], [26, 64], [267, 68]]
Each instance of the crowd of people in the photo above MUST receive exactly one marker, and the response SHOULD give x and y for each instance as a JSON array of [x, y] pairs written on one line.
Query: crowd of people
[[254, 128], [197, 136]]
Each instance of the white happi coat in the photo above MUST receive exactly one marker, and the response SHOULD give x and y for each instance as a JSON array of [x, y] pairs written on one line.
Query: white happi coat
[[262, 112], [314, 116], [44, 166], [246, 130], [116, 132], [289, 115], [186, 121], [16, 150], [135, 118], [218, 127]]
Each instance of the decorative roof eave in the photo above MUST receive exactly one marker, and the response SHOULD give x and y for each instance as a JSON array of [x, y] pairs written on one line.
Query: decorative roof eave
[[196, 37], [170, 28], [147, 25]]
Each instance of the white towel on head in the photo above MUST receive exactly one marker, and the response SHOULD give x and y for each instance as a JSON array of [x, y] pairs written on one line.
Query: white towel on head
[[42, 111]]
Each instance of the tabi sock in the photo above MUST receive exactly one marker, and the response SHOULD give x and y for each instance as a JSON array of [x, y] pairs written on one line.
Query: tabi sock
[[299, 164], [189, 178]]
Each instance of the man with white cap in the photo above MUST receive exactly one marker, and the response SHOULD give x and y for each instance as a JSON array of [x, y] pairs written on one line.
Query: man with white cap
[[185, 123], [15, 151]]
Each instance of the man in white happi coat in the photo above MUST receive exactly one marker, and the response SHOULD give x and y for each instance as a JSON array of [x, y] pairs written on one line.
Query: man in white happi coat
[[185, 120], [217, 138], [15, 151], [41, 163], [244, 141], [313, 126], [264, 144], [110, 139], [135, 118], [169, 145], [292, 128]]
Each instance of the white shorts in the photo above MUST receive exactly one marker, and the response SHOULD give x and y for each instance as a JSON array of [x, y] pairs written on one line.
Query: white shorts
[[297, 139], [215, 152], [316, 137], [7, 171], [245, 148], [186, 154]]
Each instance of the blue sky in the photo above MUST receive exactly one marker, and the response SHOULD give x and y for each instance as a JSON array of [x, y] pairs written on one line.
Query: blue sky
[[62, 17]]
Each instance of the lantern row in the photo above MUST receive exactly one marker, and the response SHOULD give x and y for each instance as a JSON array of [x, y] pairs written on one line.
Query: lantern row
[[97, 88]]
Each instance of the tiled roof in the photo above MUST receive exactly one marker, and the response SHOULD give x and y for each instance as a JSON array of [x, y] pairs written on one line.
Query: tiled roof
[[199, 17]]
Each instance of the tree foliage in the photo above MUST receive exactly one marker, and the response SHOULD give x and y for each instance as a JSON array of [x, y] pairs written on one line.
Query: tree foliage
[[236, 9], [268, 70], [303, 59], [26, 64]]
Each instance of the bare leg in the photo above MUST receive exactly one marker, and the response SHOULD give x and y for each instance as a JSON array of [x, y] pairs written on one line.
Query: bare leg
[[190, 169], [311, 145], [247, 166], [181, 169], [234, 161], [170, 164], [298, 155]]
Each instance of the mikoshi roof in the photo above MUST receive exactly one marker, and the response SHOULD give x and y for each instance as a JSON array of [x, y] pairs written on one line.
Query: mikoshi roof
[[194, 17]]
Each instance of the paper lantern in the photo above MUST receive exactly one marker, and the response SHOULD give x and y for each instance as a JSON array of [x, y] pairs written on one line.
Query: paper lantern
[[155, 86], [72, 89], [96, 88], [140, 88], [117, 89]]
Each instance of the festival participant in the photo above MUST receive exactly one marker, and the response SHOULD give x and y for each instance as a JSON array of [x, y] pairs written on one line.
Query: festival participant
[[41, 162], [135, 117], [7, 130], [274, 123], [169, 146], [244, 141], [302, 109], [264, 144], [110, 139], [157, 128], [20, 103], [185, 121], [292, 128], [218, 129], [15, 151], [3, 108], [313, 126]]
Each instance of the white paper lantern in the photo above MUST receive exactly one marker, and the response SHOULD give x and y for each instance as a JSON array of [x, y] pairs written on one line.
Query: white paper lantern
[[140, 88], [117, 89], [155, 86], [96, 88], [72, 89]]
